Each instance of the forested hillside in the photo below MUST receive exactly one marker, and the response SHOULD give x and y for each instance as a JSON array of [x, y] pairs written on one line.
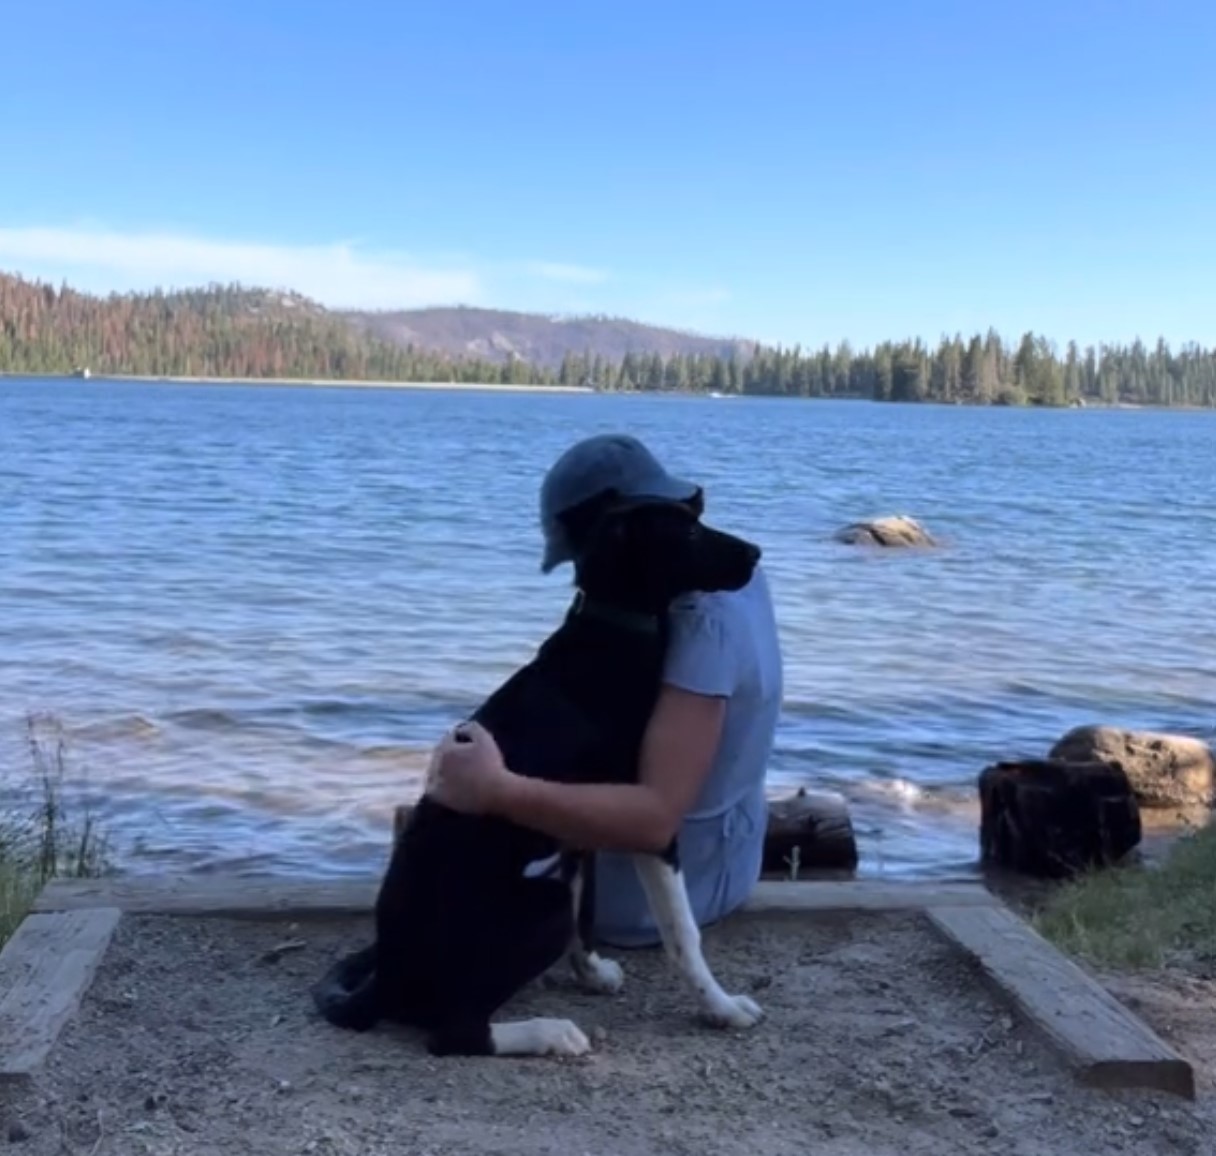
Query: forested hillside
[[218, 331], [228, 331]]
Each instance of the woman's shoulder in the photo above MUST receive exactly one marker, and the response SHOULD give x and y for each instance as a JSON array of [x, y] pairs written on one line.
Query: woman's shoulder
[[723, 621], [723, 605]]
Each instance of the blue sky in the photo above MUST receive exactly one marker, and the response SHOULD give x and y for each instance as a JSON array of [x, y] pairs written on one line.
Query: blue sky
[[789, 171]]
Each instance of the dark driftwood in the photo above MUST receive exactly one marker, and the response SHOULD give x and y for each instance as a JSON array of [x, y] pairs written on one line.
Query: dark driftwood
[[811, 829], [1053, 819], [815, 824]]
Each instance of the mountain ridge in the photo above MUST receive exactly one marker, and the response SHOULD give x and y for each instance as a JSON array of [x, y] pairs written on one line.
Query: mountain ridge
[[503, 335]]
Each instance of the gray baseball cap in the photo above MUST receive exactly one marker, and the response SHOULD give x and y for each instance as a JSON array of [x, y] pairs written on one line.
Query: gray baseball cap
[[594, 466]]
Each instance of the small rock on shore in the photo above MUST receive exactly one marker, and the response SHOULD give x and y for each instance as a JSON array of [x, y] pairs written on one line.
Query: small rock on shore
[[1165, 771]]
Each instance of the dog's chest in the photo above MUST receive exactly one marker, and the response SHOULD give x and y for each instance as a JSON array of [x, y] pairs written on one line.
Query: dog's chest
[[571, 725], [471, 858]]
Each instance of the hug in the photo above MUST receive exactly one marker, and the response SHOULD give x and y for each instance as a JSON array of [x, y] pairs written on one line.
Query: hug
[[610, 792]]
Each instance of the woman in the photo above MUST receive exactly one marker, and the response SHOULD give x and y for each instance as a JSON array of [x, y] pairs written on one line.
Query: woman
[[706, 746]]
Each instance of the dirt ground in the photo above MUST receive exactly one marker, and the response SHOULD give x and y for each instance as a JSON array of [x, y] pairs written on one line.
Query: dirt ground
[[879, 1041]]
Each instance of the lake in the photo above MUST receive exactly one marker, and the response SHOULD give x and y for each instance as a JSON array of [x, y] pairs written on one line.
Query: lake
[[253, 608]]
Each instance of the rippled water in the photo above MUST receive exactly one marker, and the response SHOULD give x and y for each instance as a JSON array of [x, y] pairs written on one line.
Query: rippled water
[[254, 608]]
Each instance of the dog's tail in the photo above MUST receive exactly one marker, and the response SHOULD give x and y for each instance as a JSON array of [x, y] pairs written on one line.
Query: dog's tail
[[346, 995]]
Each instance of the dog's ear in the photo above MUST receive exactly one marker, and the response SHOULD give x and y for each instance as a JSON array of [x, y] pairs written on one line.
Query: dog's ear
[[581, 521], [626, 546]]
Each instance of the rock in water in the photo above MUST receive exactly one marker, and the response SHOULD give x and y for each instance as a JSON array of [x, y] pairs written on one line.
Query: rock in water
[[1164, 770], [1053, 819], [897, 530]]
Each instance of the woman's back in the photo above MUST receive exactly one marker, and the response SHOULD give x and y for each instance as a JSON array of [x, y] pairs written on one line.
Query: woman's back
[[723, 644]]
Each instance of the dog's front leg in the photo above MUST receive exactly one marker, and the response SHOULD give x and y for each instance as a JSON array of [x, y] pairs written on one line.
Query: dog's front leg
[[668, 896], [593, 972], [536, 1037]]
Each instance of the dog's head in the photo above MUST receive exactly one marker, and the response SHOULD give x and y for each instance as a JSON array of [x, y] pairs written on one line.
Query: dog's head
[[642, 554]]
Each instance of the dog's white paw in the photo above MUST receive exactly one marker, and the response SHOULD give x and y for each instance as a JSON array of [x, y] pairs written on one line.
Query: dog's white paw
[[539, 1037], [734, 1011], [560, 1038], [599, 975]]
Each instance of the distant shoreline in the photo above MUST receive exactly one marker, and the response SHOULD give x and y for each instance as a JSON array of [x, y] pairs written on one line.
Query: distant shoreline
[[499, 387]]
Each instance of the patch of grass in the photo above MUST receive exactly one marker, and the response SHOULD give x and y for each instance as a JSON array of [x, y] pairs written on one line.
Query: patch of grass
[[1141, 917], [45, 839]]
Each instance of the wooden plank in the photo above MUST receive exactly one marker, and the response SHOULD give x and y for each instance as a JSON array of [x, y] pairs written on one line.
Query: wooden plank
[[863, 895], [229, 896], [1107, 1045], [45, 970], [274, 898]]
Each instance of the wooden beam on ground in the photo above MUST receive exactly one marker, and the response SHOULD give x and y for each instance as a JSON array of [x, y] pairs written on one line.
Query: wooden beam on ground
[[1102, 1040], [45, 970], [864, 895], [273, 898], [232, 897]]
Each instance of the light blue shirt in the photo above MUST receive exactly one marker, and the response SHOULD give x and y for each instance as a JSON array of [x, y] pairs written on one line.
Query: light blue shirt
[[722, 644]]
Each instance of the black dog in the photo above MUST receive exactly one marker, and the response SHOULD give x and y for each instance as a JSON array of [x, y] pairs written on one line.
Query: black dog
[[473, 908]]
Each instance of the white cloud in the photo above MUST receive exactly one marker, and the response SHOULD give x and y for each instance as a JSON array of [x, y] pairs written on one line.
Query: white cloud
[[569, 274], [339, 275], [344, 274], [695, 297], [695, 308]]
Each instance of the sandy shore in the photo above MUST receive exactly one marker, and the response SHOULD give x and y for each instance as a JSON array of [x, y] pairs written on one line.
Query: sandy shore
[[878, 1042], [344, 383]]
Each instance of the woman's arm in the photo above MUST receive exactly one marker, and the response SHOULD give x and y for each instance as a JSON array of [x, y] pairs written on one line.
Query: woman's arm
[[677, 752], [678, 749]]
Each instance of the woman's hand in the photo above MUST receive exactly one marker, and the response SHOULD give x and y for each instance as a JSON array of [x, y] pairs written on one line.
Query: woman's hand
[[468, 774]]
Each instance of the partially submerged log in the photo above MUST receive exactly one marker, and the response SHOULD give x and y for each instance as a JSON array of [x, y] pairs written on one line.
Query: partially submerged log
[[807, 831], [1053, 819]]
